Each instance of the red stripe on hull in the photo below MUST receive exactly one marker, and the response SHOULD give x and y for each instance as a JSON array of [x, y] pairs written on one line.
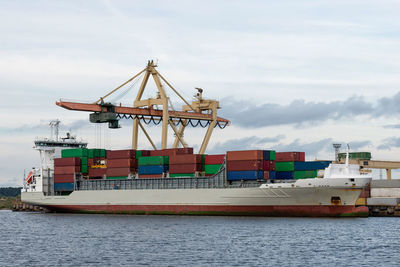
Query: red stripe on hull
[[284, 211]]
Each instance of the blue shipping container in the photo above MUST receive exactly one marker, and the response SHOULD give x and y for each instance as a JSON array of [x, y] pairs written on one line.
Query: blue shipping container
[[64, 187], [245, 175], [153, 169], [266, 154], [284, 175], [272, 175], [310, 165]]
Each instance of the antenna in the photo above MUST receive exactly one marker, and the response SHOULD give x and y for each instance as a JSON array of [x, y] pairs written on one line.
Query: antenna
[[337, 149]]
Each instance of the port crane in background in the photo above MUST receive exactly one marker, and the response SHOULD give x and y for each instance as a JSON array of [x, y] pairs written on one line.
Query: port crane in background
[[202, 112]]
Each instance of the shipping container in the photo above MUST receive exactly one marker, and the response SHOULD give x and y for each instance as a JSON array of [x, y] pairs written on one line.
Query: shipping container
[[214, 159], [212, 168], [290, 156], [65, 187], [284, 175], [74, 152], [153, 160], [97, 172], [75, 161], [305, 174], [269, 154], [284, 166], [153, 169], [185, 159], [172, 151], [84, 161], [150, 176], [244, 175], [184, 168], [244, 165], [269, 175], [84, 169], [356, 155], [269, 165], [245, 155], [64, 178], [66, 169], [122, 163], [121, 154], [120, 171], [310, 165], [176, 175]]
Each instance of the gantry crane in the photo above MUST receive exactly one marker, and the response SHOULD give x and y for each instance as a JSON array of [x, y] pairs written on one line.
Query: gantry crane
[[201, 112]]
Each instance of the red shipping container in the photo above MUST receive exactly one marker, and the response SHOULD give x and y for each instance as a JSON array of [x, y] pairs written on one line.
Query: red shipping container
[[266, 175], [97, 172], [122, 163], [185, 159], [90, 162], [290, 156], [64, 178], [121, 154], [244, 155], [66, 169], [184, 168], [120, 171], [149, 176], [67, 161], [269, 165], [184, 150], [214, 159], [145, 153], [244, 165], [172, 151]]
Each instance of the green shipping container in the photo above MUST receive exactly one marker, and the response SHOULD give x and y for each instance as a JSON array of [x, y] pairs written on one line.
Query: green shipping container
[[356, 155], [212, 168], [272, 155], [84, 168], [305, 174], [153, 160], [203, 162], [84, 161], [287, 166], [174, 175], [138, 153], [75, 152], [117, 177]]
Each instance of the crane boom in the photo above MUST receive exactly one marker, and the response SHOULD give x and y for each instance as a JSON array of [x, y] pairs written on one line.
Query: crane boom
[[138, 111]]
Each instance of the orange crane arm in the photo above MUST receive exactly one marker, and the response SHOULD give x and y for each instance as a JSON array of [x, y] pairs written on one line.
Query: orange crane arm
[[138, 111]]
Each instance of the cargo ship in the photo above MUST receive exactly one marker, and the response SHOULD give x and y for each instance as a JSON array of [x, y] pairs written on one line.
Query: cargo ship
[[174, 180], [73, 178]]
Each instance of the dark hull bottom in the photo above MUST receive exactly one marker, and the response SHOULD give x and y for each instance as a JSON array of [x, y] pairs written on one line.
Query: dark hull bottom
[[283, 211]]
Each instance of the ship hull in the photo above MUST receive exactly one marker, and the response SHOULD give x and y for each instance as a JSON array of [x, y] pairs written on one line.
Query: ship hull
[[304, 202], [268, 211]]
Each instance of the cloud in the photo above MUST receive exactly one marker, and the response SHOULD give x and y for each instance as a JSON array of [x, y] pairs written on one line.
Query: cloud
[[392, 126], [252, 142], [389, 143], [301, 112], [310, 148]]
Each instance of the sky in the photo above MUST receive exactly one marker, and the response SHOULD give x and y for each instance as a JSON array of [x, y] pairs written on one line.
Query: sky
[[290, 75]]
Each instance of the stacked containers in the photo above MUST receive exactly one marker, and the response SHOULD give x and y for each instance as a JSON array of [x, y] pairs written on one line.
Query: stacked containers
[[213, 163], [96, 160], [269, 164], [308, 169], [82, 153], [185, 165], [245, 165], [64, 173], [153, 166], [285, 164], [121, 163]]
